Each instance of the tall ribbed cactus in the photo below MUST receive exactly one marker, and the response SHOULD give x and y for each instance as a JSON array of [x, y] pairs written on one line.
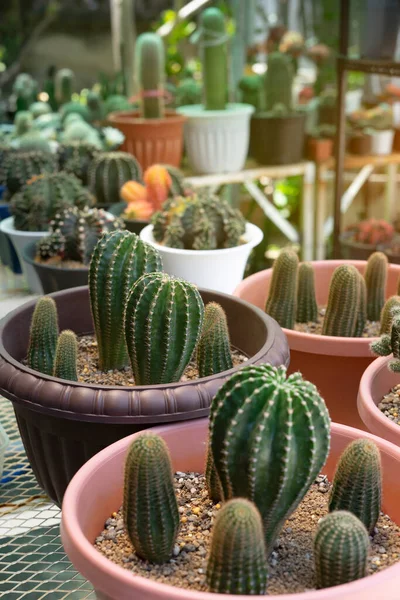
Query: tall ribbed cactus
[[64, 85], [214, 348], [163, 321], [150, 508], [375, 278], [65, 365], [343, 302], [43, 336], [269, 437], [341, 548], [212, 479], [150, 73], [118, 260], [307, 309], [279, 81], [357, 484], [108, 172], [237, 563], [392, 305], [390, 343], [214, 51], [362, 307], [281, 302]]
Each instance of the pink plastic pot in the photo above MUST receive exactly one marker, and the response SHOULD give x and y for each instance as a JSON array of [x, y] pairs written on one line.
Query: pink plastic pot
[[334, 364], [96, 491], [376, 382]]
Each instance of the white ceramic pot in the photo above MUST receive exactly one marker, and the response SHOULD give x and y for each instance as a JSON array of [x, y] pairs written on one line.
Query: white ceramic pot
[[382, 142], [217, 141], [353, 101], [20, 239], [220, 270]]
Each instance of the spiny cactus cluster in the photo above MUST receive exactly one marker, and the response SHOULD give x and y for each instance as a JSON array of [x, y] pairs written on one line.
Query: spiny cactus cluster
[[372, 231], [76, 157], [150, 73], [198, 222], [214, 348], [19, 166], [108, 172], [390, 343]]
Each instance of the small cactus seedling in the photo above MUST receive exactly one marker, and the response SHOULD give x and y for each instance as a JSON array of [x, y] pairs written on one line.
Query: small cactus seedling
[[163, 320], [150, 508], [64, 85], [65, 365], [270, 438], [357, 484], [281, 302], [214, 348], [237, 563], [307, 309], [341, 548], [214, 47], [150, 72], [391, 307], [43, 336], [390, 343], [212, 479], [118, 260], [343, 302], [362, 307], [375, 278], [279, 82]]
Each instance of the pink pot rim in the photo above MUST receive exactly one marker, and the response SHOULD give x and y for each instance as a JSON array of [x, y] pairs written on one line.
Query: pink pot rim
[[311, 343], [94, 561]]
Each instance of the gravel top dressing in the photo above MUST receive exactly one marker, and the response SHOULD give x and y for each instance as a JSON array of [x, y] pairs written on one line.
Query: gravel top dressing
[[390, 405], [291, 564], [371, 328]]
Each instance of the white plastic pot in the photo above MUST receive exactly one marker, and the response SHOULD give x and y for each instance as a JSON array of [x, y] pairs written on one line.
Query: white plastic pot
[[353, 100], [217, 141], [20, 239], [382, 142], [220, 270]]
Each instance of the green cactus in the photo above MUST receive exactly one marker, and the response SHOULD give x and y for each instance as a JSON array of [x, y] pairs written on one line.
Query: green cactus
[[40, 108], [76, 157], [74, 108], [251, 88], [116, 103], [95, 106], [65, 364], [375, 278], [25, 89], [357, 484], [279, 81], [33, 141], [150, 508], [188, 92], [362, 307], [214, 348], [307, 308], [163, 320], [269, 438], [212, 479], [341, 548], [282, 297], [118, 260], [388, 344], [42, 198], [150, 72], [390, 307], [343, 303], [64, 85], [20, 166], [237, 563], [43, 336], [108, 172], [214, 49], [198, 222], [23, 122]]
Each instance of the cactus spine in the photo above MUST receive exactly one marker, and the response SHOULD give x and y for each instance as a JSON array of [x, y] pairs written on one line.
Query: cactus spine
[[279, 81], [118, 260], [281, 302], [307, 309], [264, 428], [108, 172], [150, 508], [65, 365], [340, 549], [163, 321], [43, 336], [64, 85], [392, 305], [214, 348], [388, 344], [215, 58], [150, 70], [237, 563], [343, 302], [362, 307], [375, 278]]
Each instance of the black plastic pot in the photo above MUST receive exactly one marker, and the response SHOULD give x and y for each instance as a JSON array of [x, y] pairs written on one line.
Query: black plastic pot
[[277, 140], [54, 279], [135, 225], [327, 114]]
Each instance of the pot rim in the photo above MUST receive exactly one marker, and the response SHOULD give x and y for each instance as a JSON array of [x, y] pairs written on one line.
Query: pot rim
[[132, 117], [7, 227], [232, 110]]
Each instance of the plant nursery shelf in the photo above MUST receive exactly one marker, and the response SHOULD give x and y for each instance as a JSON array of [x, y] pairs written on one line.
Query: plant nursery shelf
[[378, 67]]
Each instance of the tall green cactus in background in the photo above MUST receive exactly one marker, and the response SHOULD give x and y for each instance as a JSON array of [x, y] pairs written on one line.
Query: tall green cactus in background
[[163, 321], [279, 81], [118, 260], [307, 309], [269, 438], [343, 302], [390, 343], [214, 44], [65, 364], [282, 297], [362, 307], [64, 85], [375, 278], [150, 508], [214, 348], [392, 305], [108, 172], [150, 73], [237, 563], [341, 548], [43, 336]]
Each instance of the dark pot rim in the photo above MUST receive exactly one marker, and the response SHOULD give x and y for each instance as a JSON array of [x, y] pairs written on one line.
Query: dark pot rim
[[264, 115], [117, 404], [29, 252]]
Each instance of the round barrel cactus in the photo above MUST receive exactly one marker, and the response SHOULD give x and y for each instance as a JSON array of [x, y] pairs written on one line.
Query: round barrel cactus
[[109, 171]]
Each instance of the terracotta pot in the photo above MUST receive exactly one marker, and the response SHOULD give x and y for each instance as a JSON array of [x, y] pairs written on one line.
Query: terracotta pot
[[376, 382], [360, 145], [277, 140], [396, 140], [64, 423], [83, 518], [334, 364], [319, 150], [151, 141]]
